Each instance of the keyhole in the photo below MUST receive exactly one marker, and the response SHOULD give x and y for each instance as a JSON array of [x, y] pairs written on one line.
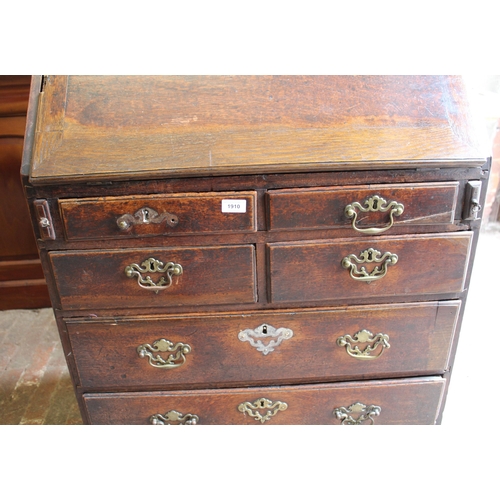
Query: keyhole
[[145, 215], [264, 329]]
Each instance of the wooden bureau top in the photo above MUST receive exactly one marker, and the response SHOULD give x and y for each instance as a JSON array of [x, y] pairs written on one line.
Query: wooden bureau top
[[94, 128]]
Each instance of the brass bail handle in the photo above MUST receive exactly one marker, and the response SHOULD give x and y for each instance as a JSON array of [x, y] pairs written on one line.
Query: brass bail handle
[[174, 355], [373, 204], [364, 344], [370, 255], [357, 414], [174, 417], [152, 265]]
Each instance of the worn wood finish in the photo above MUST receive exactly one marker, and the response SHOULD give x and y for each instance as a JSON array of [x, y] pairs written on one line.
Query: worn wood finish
[[95, 127], [211, 275], [424, 204], [404, 401], [250, 182], [301, 149], [312, 271], [106, 355], [195, 213]]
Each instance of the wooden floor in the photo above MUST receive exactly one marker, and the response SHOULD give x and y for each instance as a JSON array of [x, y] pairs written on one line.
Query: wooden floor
[[35, 387]]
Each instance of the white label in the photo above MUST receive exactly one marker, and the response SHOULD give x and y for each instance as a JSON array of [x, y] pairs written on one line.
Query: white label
[[234, 206]]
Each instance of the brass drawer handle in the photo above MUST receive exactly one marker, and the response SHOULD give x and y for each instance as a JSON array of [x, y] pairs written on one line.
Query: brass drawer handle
[[174, 417], [152, 265], [146, 215], [266, 332], [175, 359], [364, 337], [349, 416], [272, 408], [373, 204], [369, 256]]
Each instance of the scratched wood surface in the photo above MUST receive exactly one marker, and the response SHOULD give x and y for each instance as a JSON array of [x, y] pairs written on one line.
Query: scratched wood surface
[[404, 401], [221, 355], [422, 204], [211, 275], [150, 126], [317, 266]]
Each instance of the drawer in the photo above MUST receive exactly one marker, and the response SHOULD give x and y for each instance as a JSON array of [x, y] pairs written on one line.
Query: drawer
[[379, 267], [414, 401], [155, 277], [368, 209], [137, 216], [264, 348]]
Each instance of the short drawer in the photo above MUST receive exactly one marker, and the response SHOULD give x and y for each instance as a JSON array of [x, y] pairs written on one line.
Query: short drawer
[[368, 268], [367, 209], [155, 277], [174, 214], [414, 401], [264, 348]]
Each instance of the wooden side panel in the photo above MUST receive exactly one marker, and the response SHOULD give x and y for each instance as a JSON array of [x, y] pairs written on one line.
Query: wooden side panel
[[16, 238], [404, 401], [313, 271], [21, 278], [211, 275], [23, 294], [221, 351]]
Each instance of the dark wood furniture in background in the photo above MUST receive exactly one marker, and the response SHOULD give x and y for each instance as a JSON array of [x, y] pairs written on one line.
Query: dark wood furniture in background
[[247, 250], [22, 285]]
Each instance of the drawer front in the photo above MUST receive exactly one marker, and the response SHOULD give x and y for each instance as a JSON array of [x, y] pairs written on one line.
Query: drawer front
[[264, 348], [367, 209], [155, 277], [369, 268], [136, 216], [405, 401]]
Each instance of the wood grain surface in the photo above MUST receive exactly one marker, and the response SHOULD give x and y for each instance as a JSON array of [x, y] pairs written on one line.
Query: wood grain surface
[[105, 351], [93, 127], [413, 401], [312, 271], [424, 204], [211, 275], [195, 213]]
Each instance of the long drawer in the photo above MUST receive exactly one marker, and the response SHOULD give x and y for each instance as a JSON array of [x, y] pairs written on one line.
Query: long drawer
[[155, 277], [264, 348], [414, 401], [385, 266], [368, 209], [174, 214]]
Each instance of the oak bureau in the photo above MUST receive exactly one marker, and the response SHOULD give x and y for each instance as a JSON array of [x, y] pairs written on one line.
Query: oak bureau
[[256, 249]]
